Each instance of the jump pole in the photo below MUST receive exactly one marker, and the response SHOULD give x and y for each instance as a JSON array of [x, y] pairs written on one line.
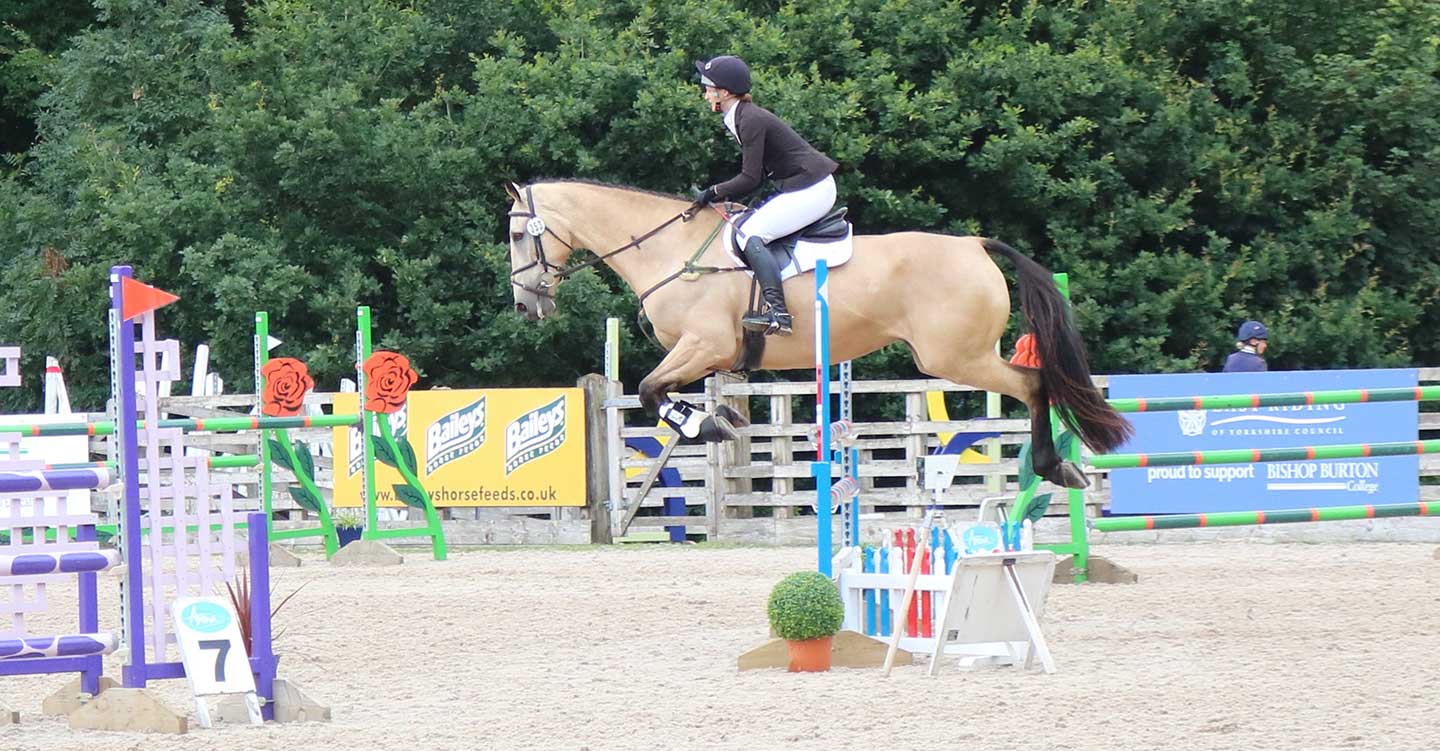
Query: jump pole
[[1252, 518], [1255, 456], [1288, 399]]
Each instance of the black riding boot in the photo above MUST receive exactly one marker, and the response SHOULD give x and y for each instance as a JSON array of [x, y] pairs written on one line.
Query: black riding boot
[[776, 318]]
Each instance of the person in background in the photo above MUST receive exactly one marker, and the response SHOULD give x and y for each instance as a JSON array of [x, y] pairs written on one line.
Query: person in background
[[1251, 340]]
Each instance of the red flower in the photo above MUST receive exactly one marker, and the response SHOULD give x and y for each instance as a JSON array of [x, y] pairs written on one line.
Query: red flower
[[1025, 354], [286, 381], [388, 378]]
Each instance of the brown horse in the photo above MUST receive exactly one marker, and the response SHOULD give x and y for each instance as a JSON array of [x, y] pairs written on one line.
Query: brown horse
[[941, 295]]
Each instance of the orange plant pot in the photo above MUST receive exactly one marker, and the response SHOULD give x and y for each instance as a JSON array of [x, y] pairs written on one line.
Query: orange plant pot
[[811, 655]]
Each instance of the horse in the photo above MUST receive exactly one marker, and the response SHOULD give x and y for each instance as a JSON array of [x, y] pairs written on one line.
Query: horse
[[942, 295]]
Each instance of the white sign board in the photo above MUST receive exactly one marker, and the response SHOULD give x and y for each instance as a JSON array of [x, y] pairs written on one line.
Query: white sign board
[[208, 635]]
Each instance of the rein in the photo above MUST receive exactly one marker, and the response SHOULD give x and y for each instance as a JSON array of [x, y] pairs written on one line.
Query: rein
[[536, 228]]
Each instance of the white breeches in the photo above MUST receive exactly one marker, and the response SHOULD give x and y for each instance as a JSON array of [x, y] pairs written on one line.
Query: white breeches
[[789, 212]]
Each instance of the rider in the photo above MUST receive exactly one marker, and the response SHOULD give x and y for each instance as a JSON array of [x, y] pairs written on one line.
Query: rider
[[1250, 340], [768, 148]]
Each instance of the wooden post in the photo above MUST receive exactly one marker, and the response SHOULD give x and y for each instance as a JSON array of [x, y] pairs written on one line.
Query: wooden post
[[597, 458], [782, 453], [715, 472], [914, 452], [738, 452]]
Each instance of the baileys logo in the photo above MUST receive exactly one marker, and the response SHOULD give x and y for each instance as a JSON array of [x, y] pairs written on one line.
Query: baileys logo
[[454, 435], [534, 434], [399, 425]]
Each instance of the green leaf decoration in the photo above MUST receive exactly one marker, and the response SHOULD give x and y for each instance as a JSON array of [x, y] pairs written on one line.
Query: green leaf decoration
[[1027, 467], [1065, 443], [278, 455], [307, 462], [1037, 507], [384, 453], [407, 454], [411, 496], [305, 498]]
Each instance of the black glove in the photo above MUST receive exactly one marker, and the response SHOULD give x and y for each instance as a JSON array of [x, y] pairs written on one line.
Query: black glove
[[706, 196]]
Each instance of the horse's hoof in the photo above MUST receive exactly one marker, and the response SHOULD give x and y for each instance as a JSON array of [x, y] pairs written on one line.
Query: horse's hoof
[[717, 429], [731, 416], [1068, 475]]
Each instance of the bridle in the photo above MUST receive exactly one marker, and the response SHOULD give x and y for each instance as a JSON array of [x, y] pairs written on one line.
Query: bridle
[[537, 229]]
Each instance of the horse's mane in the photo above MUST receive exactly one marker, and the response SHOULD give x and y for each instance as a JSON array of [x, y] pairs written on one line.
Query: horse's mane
[[603, 184]]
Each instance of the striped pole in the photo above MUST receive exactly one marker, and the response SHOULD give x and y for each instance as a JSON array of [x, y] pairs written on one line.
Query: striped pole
[[1250, 518], [69, 562], [64, 645], [237, 461], [92, 478], [1291, 399], [1251, 456], [189, 425]]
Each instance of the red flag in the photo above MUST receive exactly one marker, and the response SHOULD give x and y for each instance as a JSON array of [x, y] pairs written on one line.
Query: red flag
[[138, 298]]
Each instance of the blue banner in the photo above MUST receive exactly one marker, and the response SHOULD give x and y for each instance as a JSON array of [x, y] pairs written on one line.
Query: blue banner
[[1271, 485]]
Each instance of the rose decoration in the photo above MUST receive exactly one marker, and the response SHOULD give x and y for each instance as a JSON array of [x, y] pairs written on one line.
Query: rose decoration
[[1025, 354], [286, 382], [388, 378]]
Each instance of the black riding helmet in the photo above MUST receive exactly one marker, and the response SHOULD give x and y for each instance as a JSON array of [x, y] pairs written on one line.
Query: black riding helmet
[[725, 72]]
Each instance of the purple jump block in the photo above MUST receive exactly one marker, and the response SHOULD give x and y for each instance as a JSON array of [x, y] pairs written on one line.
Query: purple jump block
[[36, 564], [58, 479], [68, 645]]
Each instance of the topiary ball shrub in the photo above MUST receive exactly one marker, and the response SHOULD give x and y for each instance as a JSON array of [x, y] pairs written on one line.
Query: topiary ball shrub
[[805, 605]]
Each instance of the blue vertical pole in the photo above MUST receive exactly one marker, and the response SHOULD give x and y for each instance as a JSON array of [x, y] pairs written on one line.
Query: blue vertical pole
[[821, 468], [89, 614], [122, 385], [263, 662]]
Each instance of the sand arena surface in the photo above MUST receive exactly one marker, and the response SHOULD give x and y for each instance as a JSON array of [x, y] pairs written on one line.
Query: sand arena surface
[[1220, 646]]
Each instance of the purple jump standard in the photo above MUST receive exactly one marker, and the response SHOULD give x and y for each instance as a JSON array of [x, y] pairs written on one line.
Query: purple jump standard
[[146, 598]]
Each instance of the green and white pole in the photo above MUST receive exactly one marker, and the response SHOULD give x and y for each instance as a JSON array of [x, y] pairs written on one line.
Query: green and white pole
[[1253, 456], [1252, 518], [188, 425], [1290, 399]]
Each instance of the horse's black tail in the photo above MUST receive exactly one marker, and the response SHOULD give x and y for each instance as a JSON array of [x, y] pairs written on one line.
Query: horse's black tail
[[1064, 366]]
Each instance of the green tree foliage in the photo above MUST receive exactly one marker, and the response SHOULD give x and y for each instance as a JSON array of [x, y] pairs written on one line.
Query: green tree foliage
[[1191, 164]]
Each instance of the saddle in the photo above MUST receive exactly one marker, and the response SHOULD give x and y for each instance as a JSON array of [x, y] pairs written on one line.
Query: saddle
[[829, 228]]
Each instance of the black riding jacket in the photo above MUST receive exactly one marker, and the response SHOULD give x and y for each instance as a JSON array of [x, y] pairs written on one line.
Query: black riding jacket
[[770, 148]]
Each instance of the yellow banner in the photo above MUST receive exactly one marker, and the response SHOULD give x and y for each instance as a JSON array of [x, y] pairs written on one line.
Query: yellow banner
[[477, 447]]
